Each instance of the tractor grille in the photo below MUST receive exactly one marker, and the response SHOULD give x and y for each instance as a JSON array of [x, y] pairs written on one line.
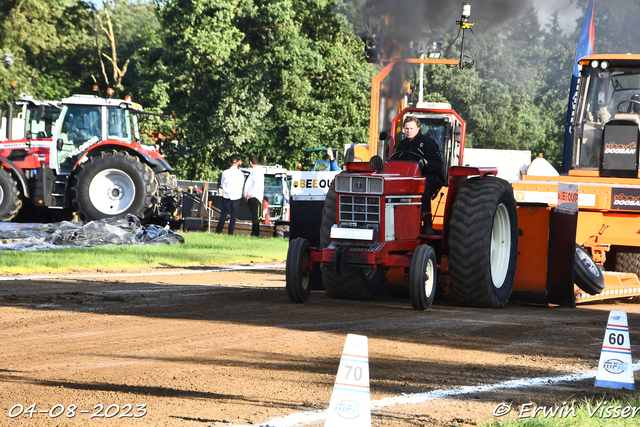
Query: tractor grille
[[359, 211]]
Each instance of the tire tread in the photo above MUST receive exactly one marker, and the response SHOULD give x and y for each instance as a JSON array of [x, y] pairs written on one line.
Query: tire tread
[[470, 243]]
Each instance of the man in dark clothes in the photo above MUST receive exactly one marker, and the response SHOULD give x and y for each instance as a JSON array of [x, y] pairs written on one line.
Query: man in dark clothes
[[430, 164]]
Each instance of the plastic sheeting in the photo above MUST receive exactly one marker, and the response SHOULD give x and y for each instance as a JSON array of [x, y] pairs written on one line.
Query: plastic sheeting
[[120, 230]]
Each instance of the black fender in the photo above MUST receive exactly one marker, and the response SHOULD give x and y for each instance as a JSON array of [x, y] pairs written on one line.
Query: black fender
[[161, 165], [17, 172]]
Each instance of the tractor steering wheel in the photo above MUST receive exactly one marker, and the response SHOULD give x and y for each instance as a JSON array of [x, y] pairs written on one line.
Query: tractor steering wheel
[[413, 153], [624, 102]]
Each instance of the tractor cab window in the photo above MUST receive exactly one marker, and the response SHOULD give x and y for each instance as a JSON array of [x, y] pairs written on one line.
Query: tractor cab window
[[81, 128], [605, 95], [118, 124], [435, 128], [41, 125]]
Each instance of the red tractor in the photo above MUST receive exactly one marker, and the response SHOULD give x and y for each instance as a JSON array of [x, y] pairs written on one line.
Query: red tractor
[[371, 222]]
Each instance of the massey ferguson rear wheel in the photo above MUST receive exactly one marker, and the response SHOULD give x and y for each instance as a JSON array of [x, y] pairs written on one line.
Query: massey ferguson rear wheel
[[298, 284], [483, 243], [113, 183], [10, 202], [358, 283], [422, 277]]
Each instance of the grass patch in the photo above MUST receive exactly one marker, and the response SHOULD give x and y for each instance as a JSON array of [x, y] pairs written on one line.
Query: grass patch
[[589, 413], [199, 249]]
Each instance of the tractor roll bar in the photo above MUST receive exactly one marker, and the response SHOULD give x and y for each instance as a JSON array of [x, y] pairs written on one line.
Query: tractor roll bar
[[374, 115]]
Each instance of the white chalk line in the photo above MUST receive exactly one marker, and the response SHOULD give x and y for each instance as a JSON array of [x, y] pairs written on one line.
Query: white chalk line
[[302, 418], [158, 273]]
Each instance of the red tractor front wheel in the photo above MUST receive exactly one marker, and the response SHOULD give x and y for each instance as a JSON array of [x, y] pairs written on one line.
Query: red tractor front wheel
[[298, 283], [422, 277]]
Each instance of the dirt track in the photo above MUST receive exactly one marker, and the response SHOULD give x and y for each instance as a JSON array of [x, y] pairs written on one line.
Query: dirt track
[[208, 349]]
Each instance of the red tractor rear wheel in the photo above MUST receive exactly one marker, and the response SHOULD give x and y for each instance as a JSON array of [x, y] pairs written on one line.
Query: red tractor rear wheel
[[483, 243]]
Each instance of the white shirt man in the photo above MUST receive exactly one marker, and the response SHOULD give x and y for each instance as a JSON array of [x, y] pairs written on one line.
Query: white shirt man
[[231, 182], [254, 193]]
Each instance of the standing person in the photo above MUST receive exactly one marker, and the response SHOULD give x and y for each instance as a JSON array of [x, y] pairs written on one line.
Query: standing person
[[254, 193], [430, 165], [231, 183]]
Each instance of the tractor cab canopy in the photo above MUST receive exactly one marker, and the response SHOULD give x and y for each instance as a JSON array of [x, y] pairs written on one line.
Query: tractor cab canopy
[[88, 119], [607, 115], [87, 116]]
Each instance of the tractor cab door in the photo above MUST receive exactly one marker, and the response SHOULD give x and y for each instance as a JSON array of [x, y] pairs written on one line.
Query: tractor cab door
[[80, 128], [118, 124]]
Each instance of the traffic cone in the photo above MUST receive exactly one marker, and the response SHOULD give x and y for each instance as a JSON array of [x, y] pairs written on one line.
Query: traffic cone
[[615, 368], [265, 210], [350, 401]]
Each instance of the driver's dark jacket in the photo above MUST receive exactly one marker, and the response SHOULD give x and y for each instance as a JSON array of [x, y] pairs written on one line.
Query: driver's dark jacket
[[426, 147]]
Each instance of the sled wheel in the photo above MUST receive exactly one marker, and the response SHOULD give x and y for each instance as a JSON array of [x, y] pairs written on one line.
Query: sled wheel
[[483, 243], [422, 277], [113, 183], [359, 283], [587, 276], [297, 275], [10, 202], [628, 259]]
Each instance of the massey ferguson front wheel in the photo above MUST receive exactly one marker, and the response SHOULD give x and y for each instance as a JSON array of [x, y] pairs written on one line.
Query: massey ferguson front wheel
[[113, 183], [483, 243]]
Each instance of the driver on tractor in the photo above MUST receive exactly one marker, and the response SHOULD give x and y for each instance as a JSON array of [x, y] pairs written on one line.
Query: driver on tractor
[[430, 161]]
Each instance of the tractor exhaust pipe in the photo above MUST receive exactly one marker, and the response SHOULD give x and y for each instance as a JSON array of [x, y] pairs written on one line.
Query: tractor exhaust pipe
[[9, 133]]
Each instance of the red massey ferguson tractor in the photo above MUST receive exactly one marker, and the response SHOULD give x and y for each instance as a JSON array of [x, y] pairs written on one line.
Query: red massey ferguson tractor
[[83, 155], [371, 222]]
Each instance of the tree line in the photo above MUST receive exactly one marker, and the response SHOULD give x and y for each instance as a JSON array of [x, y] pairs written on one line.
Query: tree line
[[275, 77]]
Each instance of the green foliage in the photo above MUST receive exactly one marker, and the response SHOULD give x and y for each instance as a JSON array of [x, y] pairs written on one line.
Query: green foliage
[[271, 77], [49, 44]]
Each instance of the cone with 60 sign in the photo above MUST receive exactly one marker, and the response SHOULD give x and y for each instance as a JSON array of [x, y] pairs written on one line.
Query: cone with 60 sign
[[615, 366]]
